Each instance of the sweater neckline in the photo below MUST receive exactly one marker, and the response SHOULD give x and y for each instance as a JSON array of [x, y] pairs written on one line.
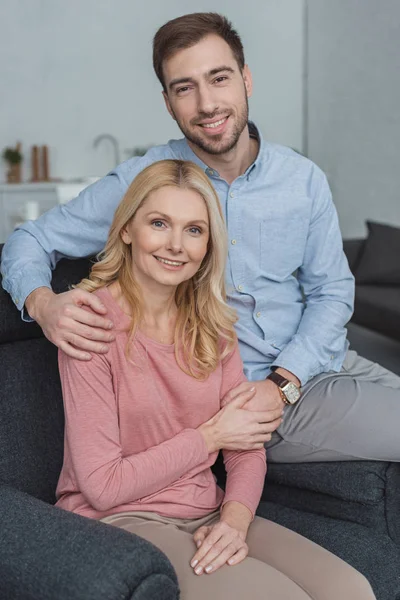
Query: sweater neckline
[[124, 320]]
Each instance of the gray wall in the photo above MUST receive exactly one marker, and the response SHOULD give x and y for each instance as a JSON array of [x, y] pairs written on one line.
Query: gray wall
[[354, 106], [70, 70]]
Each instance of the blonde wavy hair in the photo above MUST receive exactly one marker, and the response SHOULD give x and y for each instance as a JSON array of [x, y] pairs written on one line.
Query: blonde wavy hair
[[204, 332]]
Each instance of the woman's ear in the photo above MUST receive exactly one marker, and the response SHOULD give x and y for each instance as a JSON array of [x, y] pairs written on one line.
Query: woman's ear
[[126, 238]]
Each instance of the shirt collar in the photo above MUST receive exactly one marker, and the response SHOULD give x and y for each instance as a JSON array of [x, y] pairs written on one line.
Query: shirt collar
[[255, 133], [188, 154]]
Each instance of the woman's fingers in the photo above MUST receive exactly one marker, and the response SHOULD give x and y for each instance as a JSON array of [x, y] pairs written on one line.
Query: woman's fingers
[[238, 556], [200, 535], [242, 388], [267, 416], [217, 558], [207, 543], [217, 548]]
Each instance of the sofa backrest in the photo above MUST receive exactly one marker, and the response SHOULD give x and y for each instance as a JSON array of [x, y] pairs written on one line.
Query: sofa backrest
[[352, 249], [31, 409]]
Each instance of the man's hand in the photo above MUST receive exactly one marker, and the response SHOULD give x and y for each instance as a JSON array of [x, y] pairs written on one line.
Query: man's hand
[[224, 542], [267, 396], [67, 325]]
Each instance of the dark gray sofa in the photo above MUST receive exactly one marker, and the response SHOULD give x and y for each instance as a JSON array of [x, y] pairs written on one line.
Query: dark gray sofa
[[377, 306], [374, 330], [352, 509]]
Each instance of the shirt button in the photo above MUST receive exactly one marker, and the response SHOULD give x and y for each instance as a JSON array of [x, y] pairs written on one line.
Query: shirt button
[[232, 195], [240, 287], [233, 242], [258, 315], [16, 300], [211, 172], [332, 357]]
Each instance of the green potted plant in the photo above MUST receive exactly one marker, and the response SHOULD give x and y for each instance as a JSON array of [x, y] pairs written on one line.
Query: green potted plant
[[13, 157]]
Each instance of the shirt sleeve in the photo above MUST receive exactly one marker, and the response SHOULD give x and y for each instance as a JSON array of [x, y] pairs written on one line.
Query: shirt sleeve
[[245, 470], [104, 476], [73, 230], [328, 287]]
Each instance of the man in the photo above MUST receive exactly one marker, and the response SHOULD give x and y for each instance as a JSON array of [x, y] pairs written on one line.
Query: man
[[287, 276]]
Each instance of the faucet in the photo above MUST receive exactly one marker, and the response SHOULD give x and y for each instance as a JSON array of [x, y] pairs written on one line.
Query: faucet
[[114, 142]]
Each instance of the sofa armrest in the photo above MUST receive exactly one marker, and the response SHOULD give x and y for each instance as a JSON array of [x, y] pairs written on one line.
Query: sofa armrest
[[48, 553]]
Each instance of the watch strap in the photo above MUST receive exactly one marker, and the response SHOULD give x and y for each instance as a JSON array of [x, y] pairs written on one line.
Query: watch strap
[[278, 379], [281, 383]]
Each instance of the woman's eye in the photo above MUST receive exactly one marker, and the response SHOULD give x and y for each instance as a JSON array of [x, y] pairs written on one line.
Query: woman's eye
[[158, 224], [195, 230]]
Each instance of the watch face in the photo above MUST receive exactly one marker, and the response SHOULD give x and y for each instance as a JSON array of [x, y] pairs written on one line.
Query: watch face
[[291, 392]]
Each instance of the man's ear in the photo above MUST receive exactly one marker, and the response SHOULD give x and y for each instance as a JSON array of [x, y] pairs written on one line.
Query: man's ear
[[167, 104], [248, 80]]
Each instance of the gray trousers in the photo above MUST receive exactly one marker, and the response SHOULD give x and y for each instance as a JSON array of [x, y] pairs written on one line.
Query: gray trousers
[[354, 414], [281, 565]]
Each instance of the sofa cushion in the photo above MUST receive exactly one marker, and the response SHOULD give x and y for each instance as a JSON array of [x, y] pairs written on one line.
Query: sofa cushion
[[355, 491], [378, 307], [352, 481], [379, 261]]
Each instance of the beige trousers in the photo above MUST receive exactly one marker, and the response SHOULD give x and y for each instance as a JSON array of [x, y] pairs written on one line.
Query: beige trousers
[[281, 565]]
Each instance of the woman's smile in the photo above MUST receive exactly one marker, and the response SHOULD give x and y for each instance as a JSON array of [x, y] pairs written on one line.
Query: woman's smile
[[170, 264]]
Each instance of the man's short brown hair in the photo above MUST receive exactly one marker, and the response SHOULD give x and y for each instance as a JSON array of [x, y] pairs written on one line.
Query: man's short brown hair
[[186, 31]]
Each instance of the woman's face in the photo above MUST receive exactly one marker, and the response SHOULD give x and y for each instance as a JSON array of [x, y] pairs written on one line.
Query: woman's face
[[169, 235]]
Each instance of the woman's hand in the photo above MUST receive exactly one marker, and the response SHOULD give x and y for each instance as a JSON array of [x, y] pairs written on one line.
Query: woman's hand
[[221, 544], [224, 542], [235, 428]]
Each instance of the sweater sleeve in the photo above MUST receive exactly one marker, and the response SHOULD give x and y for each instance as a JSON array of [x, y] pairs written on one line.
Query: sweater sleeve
[[245, 470], [104, 476]]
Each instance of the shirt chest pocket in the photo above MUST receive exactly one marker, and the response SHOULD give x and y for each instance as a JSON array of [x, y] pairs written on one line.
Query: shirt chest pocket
[[282, 246]]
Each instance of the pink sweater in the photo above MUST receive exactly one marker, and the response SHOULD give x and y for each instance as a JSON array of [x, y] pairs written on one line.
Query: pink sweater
[[130, 433]]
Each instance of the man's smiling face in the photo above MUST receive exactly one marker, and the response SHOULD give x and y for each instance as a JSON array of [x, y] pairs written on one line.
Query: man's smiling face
[[206, 93]]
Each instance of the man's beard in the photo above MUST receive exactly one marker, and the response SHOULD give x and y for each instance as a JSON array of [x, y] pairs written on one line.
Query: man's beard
[[212, 146]]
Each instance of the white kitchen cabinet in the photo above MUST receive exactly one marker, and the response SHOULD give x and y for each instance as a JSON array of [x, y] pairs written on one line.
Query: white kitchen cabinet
[[22, 201], [18, 202]]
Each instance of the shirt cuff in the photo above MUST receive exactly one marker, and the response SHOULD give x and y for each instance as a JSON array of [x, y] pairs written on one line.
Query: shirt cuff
[[26, 284], [297, 360]]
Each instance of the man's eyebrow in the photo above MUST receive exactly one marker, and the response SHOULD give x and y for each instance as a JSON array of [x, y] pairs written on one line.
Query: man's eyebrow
[[210, 73], [219, 69]]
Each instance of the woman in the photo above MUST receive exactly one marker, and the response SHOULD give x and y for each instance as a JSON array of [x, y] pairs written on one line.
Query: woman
[[144, 422]]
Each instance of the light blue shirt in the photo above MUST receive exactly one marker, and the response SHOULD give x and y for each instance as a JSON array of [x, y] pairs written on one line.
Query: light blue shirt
[[287, 276]]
